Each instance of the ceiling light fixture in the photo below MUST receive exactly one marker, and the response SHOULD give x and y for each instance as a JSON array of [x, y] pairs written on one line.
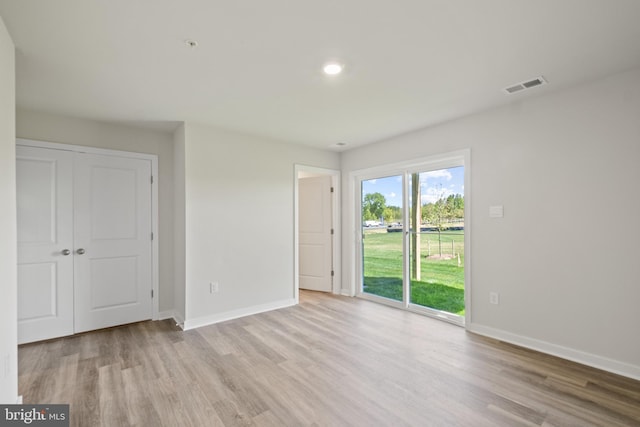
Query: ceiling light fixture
[[191, 43], [332, 68]]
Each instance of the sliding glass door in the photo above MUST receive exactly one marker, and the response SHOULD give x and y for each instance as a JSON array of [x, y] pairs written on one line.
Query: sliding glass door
[[436, 240], [414, 257], [382, 244]]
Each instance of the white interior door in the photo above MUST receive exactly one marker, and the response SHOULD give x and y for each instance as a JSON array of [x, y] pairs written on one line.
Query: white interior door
[[45, 243], [314, 231], [112, 233]]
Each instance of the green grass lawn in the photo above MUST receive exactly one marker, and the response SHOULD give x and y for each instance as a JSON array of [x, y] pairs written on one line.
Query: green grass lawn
[[441, 285]]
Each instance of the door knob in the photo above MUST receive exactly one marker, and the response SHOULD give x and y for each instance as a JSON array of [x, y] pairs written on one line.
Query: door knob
[[66, 252], [80, 251]]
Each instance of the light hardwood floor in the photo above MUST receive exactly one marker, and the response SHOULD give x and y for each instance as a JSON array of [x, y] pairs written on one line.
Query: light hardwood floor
[[330, 361]]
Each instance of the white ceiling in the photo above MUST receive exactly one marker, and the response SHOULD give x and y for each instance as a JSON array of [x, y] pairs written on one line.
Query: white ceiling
[[257, 68]]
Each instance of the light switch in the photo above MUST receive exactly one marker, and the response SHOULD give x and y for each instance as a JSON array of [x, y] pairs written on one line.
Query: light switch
[[496, 211]]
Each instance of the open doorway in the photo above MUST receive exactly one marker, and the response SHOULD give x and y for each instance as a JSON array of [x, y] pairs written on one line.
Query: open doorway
[[317, 231]]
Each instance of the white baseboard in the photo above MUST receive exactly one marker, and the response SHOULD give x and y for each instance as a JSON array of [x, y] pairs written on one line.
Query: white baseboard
[[168, 314], [595, 361], [235, 314], [346, 293], [179, 320], [19, 400], [172, 314]]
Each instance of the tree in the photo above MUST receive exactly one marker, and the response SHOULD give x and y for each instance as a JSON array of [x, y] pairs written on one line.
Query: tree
[[436, 215], [444, 210], [392, 214], [454, 207], [373, 206]]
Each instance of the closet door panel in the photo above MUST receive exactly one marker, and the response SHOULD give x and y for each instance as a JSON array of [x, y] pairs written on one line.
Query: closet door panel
[[45, 243], [113, 274]]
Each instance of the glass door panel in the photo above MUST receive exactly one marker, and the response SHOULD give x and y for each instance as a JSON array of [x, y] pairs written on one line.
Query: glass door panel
[[436, 240], [382, 237]]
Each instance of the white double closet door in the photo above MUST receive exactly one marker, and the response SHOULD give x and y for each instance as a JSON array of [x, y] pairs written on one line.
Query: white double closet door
[[84, 242]]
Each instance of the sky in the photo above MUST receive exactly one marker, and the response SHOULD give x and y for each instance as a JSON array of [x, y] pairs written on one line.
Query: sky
[[433, 184]]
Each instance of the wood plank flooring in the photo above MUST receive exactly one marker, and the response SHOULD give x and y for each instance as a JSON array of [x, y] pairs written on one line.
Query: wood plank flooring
[[330, 361]]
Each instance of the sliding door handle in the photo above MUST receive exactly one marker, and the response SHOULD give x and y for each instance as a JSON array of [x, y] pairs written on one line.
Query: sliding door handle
[[80, 251], [65, 252]]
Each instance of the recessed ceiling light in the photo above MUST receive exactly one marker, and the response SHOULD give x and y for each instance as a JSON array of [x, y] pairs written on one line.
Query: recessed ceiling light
[[341, 144], [191, 43], [332, 68]]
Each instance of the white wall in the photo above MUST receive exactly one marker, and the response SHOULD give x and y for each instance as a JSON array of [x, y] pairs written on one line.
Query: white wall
[[67, 130], [8, 252], [564, 258], [179, 223], [239, 221]]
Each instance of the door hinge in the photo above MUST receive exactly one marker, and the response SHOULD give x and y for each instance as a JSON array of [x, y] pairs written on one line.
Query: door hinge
[[332, 231], [151, 179], [332, 273], [152, 235], [151, 293], [332, 189]]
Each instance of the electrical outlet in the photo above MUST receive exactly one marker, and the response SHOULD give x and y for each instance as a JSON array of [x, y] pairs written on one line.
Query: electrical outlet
[[214, 287], [494, 298]]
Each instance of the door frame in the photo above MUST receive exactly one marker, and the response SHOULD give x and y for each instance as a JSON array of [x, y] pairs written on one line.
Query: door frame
[[155, 279], [437, 161], [335, 219]]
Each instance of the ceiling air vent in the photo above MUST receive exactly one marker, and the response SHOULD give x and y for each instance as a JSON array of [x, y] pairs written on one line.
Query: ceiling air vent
[[538, 81]]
